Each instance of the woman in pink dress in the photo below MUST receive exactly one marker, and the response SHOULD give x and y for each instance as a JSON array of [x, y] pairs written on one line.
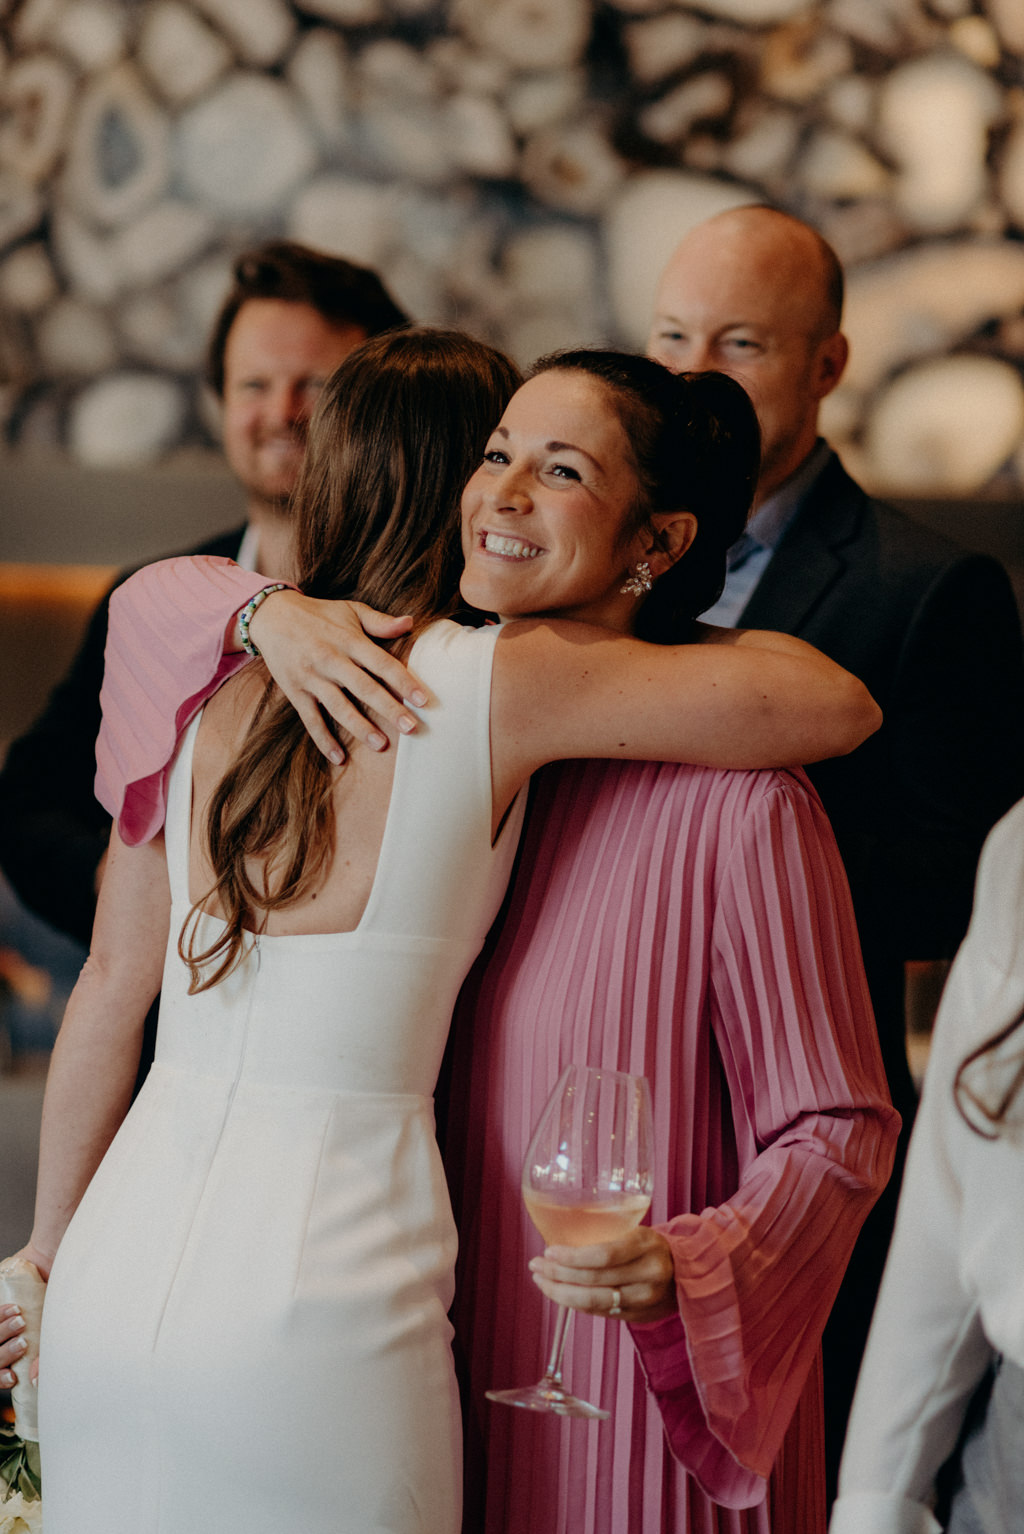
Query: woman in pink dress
[[693, 925]]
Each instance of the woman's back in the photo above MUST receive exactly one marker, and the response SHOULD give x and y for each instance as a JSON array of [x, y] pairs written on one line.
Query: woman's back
[[274, 1206], [360, 796]]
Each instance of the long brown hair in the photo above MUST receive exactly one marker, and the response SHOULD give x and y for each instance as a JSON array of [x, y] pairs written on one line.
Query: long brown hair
[[396, 433]]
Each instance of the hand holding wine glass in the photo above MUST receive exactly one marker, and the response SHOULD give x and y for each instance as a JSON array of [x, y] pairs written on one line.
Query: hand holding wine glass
[[587, 1178], [631, 1278]]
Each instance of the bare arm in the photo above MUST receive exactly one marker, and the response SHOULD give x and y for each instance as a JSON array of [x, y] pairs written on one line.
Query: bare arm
[[314, 650], [96, 1056], [571, 690], [758, 639]]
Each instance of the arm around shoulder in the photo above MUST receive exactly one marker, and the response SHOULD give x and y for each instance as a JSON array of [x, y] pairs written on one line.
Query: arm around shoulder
[[564, 690]]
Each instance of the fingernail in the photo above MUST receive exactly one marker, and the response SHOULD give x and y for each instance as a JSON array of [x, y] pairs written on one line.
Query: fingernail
[[19, 1345], [407, 724], [9, 1311], [336, 757], [377, 741], [18, 1323], [6, 1378], [419, 698]]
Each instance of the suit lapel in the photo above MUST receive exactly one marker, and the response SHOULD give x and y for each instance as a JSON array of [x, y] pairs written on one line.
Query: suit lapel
[[810, 557]]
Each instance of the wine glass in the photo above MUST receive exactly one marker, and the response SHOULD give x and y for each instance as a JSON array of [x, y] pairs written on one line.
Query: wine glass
[[587, 1178]]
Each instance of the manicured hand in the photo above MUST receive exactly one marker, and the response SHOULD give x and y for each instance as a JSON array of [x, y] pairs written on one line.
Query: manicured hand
[[322, 656], [637, 1269], [12, 1344], [12, 1324]]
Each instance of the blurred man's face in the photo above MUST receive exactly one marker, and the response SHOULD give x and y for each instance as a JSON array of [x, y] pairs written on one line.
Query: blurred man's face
[[744, 295], [277, 358]]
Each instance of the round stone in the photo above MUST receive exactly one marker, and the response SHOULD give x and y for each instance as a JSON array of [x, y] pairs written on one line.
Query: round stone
[[244, 148], [126, 418], [946, 427], [643, 226]]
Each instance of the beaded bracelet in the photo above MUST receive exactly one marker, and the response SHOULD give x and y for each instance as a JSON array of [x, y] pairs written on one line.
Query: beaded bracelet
[[245, 617]]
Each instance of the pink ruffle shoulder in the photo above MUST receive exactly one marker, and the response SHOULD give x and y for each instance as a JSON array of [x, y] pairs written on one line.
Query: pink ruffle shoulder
[[164, 658]]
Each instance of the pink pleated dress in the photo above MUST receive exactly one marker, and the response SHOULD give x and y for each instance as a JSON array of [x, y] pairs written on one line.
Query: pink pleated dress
[[693, 926]]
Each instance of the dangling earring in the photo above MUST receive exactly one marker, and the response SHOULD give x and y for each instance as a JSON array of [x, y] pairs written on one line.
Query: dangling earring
[[640, 583]]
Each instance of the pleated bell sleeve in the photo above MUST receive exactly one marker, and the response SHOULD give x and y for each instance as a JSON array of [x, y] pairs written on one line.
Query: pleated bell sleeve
[[815, 1131]]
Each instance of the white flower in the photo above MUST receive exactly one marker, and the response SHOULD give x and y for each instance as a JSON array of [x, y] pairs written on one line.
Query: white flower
[[17, 1516]]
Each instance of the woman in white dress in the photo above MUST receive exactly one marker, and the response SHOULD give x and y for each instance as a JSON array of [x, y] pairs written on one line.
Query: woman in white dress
[[273, 1206]]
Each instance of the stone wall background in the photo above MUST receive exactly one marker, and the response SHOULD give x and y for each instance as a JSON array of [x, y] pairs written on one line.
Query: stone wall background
[[520, 168]]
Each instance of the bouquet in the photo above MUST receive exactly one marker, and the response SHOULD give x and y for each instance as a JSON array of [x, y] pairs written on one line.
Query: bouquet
[[20, 1484], [21, 1511]]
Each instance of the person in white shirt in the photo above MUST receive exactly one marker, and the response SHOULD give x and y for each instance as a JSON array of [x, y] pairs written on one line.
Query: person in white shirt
[[951, 1308]]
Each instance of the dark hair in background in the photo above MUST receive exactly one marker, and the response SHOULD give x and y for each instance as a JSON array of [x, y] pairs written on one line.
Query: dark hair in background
[[986, 1111], [696, 447], [339, 290], [396, 433]]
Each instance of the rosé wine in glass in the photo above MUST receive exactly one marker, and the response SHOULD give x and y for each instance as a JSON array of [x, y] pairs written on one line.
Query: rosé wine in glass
[[587, 1179], [563, 1222]]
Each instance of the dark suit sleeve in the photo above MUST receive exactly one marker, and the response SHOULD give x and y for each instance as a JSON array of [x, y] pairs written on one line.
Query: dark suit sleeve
[[956, 747], [53, 833]]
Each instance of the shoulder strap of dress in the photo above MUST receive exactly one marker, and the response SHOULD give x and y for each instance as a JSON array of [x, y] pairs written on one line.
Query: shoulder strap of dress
[[178, 822]]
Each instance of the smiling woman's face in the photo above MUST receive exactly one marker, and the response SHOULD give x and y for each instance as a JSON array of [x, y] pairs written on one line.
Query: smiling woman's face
[[544, 517]]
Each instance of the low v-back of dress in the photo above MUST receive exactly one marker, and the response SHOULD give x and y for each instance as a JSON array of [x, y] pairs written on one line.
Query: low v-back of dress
[[247, 1323]]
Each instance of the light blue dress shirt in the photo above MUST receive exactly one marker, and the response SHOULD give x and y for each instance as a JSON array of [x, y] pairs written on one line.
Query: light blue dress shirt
[[749, 556]]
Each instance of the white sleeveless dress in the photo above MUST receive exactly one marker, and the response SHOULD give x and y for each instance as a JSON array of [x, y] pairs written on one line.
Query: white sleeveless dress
[[246, 1327]]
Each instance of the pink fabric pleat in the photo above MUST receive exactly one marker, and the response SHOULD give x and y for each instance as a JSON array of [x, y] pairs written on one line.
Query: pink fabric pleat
[[695, 927], [153, 658]]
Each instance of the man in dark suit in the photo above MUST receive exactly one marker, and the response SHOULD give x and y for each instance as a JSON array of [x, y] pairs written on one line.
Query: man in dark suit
[[931, 629], [291, 316]]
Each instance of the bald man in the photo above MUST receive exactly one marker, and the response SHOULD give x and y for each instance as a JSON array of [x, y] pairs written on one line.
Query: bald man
[[932, 629]]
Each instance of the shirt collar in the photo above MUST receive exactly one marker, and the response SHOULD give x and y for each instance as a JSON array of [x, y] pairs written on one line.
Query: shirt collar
[[774, 515]]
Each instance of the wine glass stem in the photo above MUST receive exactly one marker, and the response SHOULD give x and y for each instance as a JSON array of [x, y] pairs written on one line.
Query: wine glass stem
[[553, 1372]]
